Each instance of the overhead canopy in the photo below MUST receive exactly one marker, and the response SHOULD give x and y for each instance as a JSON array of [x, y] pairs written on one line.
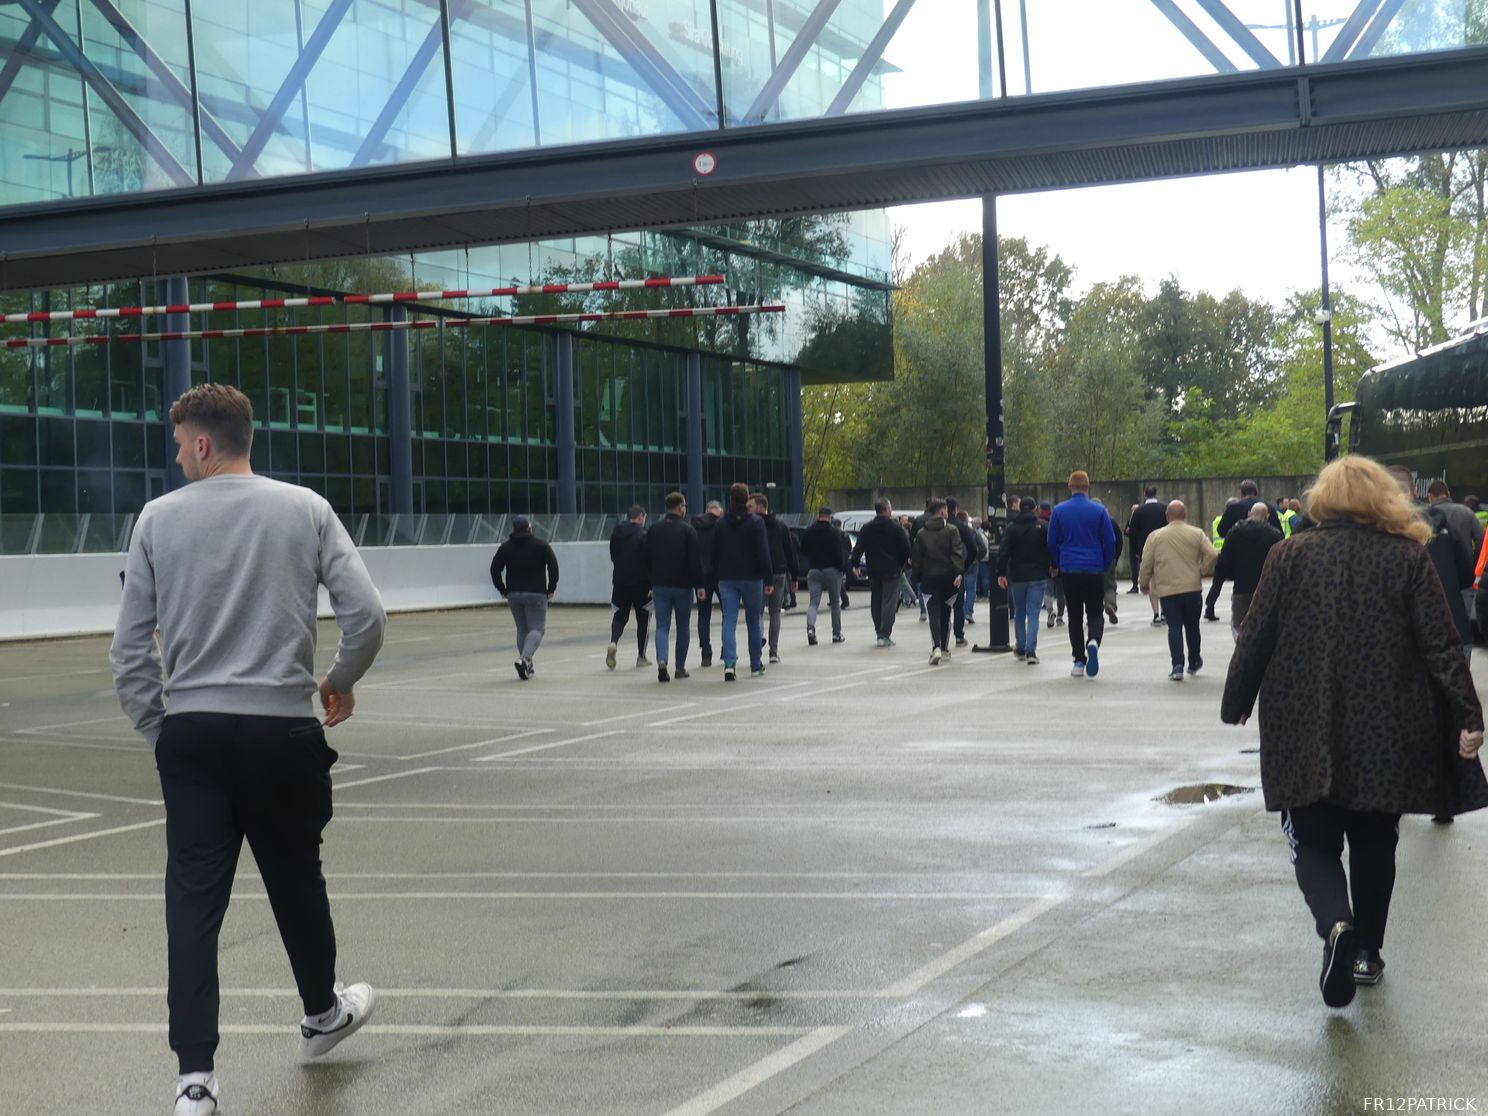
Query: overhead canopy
[[1229, 122]]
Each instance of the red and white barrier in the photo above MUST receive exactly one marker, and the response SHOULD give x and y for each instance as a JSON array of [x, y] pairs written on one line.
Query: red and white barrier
[[387, 327], [360, 299]]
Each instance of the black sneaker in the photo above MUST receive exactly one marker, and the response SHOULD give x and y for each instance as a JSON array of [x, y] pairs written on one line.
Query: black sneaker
[[1211, 617], [1369, 967], [680, 673], [1195, 666], [728, 672], [521, 665], [839, 639], [774, 659], [811, 637], [707, 658], [1337, 977], [661, 673]]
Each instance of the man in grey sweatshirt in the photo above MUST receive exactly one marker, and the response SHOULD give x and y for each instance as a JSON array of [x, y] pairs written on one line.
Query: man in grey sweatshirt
[[227, 569]]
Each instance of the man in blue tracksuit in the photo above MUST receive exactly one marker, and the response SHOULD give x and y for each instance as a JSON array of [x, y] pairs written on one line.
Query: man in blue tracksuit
[[1082, 543]]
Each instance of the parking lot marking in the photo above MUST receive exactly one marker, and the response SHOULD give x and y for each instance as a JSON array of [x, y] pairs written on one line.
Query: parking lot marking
[[452, 1030], [76, 837], [477, 744], [1131, 852], [386, 778], [977, 943], [545, 747], [493, 896], [69, 820], [753, 1076], [83, 794]]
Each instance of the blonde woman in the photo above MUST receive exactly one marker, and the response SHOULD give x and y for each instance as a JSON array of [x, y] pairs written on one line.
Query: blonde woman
[[1367, 709]]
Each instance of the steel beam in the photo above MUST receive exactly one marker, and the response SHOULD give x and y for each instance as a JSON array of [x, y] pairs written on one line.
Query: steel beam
[[1349, 33], [108, 93], [805, 39], [872, 55], [290, 88], [162, 70], [1190, 31], [649, 64], [398, 99], [1370, 108], [17, 59], [1244, 37]]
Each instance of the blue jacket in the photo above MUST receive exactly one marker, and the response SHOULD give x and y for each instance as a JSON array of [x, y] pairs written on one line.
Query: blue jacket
[[1081, 538]]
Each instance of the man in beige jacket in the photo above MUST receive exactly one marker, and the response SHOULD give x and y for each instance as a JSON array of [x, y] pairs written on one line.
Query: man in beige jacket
[[1174, 563]]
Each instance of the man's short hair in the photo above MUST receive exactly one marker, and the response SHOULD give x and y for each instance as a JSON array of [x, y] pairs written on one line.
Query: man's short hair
[[960, 513], [1471, 501], [1249, 488], [675, 500], [1079, 479], [881, 507], [1151, 491], [635, 512], [221, 412], [1439, 487], [1028, 503], [738, 495], [714, 505], [952, 503], [761, 500], [823, 512], [934, 506]]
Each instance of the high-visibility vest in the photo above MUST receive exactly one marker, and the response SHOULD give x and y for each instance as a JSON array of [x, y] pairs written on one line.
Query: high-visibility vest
[[1214, 535], [1288, 517], [1482, 515]]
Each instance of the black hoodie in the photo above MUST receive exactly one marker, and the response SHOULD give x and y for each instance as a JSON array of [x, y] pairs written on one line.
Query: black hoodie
[[741, 552], [1024, 553], [628, 553]]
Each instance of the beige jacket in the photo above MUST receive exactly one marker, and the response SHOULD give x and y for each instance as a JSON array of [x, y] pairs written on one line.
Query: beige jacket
[[1175, 560]]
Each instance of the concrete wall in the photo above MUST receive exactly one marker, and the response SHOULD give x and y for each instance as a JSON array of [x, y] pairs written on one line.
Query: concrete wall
[[58, 595]]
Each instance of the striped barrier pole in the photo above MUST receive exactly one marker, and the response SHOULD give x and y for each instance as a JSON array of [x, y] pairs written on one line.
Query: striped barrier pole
[[385, 327], [360, 299]]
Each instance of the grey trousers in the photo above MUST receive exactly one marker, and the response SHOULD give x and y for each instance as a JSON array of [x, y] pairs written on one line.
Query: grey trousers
[[530, 612], [775, 602], [831, 582]]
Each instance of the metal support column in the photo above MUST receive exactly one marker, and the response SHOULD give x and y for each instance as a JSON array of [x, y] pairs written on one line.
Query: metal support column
[[796, 499], [695, 432], [400, 415], [563, 401], [997, 599], [1325, 314], [176, 356]]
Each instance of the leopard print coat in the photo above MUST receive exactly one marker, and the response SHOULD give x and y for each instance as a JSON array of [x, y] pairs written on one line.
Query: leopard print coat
[[1361, 677]]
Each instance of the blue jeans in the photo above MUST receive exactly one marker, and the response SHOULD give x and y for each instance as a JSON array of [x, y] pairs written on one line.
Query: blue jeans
[[1027, 600], [750, 594], [978, 584], [669, 599]]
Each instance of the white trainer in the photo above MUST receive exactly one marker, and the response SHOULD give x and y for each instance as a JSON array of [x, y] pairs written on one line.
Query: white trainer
[[356, 1002], [197, 1094]]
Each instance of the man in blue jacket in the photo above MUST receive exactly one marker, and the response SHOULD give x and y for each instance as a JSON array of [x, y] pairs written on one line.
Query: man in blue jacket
[[1082, 543]]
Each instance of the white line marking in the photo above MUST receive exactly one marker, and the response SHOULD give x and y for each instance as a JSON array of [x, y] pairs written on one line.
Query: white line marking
[[47, 810], [46, 824], [684, 994], [968, 949], [1131, 852], [81, 837], [42, 741], [477, 744], [72, 724], [279, 1030], [749, 1078], [54, 674], [385, 778], [717, 819], [718, 712], [496, 896], [641, 713], [337, 876], [545, 747], [83, 794]]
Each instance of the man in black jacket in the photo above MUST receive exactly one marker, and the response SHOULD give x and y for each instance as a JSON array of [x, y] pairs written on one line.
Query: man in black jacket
[[525, 572], [886, 547], [826, 565], [632, 585], [1023, 565], [741, 560], [1235, 513], [676, 569], [1241, 561], [962, 526], [1150, 515], [783, 562], [704, 525]]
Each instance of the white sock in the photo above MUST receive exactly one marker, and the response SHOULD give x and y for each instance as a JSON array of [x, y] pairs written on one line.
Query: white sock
[[325, 1018]]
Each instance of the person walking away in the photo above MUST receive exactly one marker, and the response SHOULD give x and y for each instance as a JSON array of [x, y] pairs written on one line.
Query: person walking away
[[227, 570], [1023, 569], [846, 558], [631, 590], [958, 521], [1173, 568], [1053, 590], [525, 572], [826, 566], [1109, 598], [1367, 707], [1218, 540], [940, 556], [1465, 525], [1082, 544], [741, 559], [1150, 516], [1237, 508], [884, 546], [704, 525], [1241, 561], [782, 562], [675, 567]]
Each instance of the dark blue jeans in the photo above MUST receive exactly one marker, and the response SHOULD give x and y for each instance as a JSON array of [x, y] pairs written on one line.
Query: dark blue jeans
[[1183, 611], [751, 595], [670, 599]]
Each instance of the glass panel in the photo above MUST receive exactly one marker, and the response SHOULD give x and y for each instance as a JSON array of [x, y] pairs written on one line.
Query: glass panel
[[1416, 25], [493, 80], [43, 139]]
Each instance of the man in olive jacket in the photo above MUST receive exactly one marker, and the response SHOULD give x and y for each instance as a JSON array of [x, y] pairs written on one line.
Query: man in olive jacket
[[939, 558]]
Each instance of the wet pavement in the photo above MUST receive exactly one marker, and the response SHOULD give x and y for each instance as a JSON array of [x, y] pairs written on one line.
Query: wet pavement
[[858, 885]]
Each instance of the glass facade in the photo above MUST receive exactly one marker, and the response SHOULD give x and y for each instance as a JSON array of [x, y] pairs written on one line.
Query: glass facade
[[116, 96]]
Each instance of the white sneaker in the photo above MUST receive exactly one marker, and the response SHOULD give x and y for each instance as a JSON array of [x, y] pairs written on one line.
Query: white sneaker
[[610, 656], [196, 1095], [935, 657], [642, 661], [356, 1002], [1077, 671]]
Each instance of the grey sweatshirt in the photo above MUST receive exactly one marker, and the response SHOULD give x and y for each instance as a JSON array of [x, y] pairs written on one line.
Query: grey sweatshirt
[[227, 568]]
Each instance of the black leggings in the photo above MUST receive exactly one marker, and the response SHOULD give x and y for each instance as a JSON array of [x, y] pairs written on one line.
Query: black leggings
[[622, 602]]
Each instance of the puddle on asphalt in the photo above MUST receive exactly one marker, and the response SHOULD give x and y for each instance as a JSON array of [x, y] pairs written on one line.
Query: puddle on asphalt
[[1198, 793]]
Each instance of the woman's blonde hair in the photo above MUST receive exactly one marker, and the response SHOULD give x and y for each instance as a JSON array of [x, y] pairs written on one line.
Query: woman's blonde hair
[[1359, 488]]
